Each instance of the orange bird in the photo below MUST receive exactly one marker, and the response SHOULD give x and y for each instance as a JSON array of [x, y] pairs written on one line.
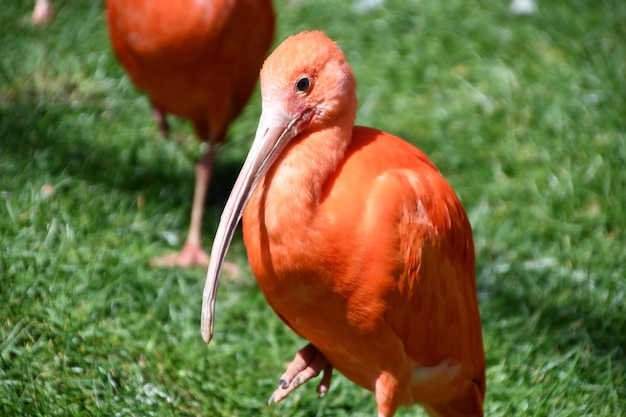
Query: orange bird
[[357, 242], [196, 59]]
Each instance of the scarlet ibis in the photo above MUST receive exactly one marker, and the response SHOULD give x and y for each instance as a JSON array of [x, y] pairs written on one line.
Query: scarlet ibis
[[199, 60], [357, 242]]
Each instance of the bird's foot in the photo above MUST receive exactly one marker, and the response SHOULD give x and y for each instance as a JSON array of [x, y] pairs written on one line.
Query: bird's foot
[[42, 13], [307, 364], [191, 255]]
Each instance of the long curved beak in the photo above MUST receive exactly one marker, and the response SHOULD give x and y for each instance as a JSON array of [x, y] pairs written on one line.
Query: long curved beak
[[275, 129]]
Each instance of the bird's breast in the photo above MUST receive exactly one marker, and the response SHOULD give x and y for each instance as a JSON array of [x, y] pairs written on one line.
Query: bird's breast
[[292, 252]]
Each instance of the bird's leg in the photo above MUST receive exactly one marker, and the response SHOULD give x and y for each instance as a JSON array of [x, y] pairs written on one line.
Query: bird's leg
[[42, 13], [192, 250], [160, 119], [193, 253], [307, 364], [385, 392]]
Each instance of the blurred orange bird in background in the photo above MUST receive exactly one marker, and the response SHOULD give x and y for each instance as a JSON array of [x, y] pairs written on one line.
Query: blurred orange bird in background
[[199, 60], [357, 242]]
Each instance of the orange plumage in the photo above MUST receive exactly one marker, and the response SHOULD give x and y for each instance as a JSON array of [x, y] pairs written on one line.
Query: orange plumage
[[357, 242], [196, 59]]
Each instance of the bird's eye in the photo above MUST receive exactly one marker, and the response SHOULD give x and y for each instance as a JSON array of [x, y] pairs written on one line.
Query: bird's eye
[[303, 84]]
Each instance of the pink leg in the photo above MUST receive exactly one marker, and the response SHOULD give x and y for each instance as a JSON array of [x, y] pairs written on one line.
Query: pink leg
[[193, 254], [307, 364], [160, 119], [42, 13]]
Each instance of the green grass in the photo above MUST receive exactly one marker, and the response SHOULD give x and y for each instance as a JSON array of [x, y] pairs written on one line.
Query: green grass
[[526, 118]]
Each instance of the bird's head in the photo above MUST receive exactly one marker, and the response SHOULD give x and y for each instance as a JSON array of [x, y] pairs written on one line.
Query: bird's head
[[307, 85]]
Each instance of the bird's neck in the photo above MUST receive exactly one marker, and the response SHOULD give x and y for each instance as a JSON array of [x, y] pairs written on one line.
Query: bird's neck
[[295, 185]]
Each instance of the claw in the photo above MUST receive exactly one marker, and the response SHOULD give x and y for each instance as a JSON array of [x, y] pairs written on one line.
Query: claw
[[324, 386], [307, 364]]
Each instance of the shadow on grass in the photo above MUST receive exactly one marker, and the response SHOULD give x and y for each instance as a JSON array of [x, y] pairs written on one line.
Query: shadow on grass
[[43, 139], [565, 317]]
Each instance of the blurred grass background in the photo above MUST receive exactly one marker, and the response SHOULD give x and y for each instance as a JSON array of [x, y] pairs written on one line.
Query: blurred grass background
[[526, 117]]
